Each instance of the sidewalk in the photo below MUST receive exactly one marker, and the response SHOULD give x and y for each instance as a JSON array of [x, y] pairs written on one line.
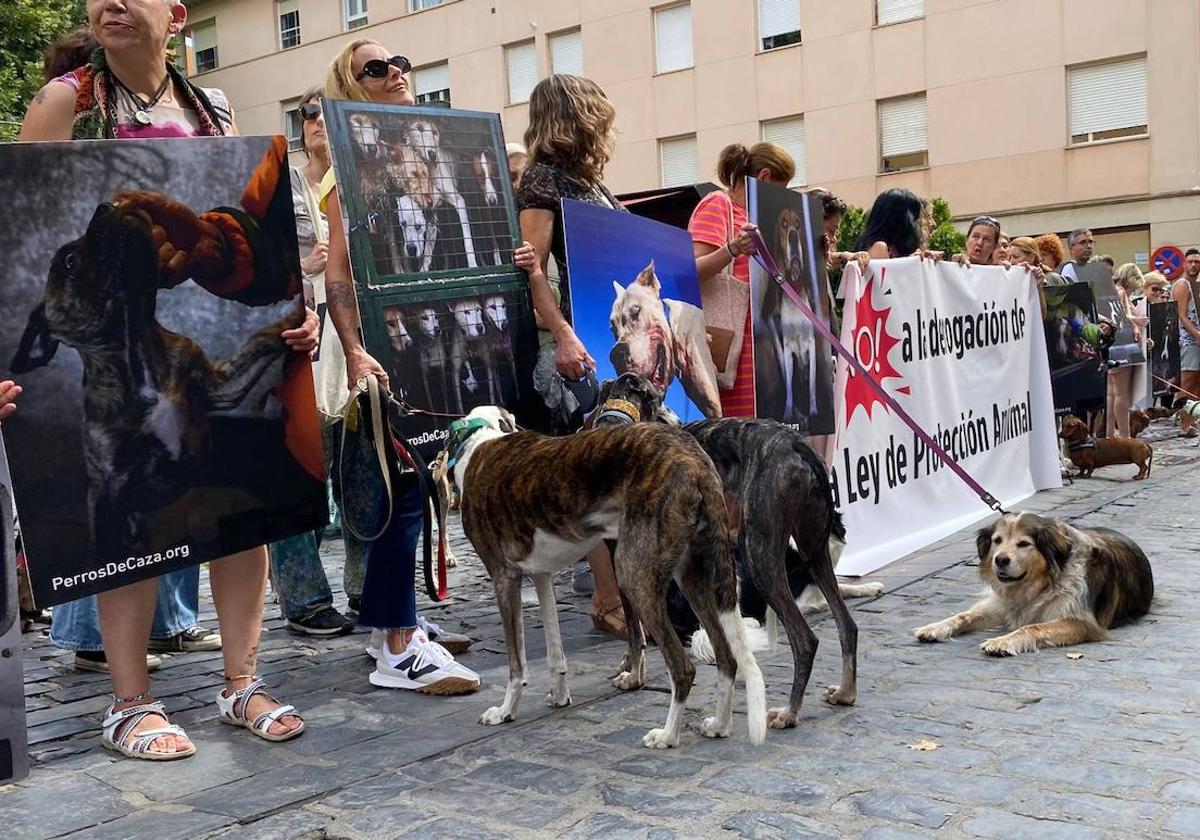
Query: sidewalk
[[1037, 746]]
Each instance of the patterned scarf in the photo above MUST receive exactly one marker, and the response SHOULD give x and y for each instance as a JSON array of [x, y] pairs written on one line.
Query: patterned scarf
[[96, 107]]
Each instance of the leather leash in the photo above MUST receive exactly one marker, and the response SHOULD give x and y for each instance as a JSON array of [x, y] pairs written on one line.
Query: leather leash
[[764, 258]]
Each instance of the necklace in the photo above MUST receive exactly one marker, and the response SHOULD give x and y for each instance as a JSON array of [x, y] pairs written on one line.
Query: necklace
[[142, 107]]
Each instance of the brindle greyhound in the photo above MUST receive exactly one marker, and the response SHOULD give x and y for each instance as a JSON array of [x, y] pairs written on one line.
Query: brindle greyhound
[[148, 393], [787, 529], [534, 504]]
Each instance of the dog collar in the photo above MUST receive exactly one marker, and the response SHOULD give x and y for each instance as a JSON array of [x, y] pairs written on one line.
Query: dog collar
[[460, 431], [1090, 443], [623, 411]]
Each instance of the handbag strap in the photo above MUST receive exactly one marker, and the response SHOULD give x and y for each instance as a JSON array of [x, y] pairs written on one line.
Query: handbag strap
[[368, 385]]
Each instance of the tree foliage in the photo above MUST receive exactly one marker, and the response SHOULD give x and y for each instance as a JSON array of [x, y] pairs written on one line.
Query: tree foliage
[[27, 27], [946, 237]]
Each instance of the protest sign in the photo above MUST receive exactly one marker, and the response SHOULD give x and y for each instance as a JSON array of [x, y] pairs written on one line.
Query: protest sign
[[431, 222], [635, 304], [1074, 344], [961, 351], [164, 421], [793, 365], [1164, 352]]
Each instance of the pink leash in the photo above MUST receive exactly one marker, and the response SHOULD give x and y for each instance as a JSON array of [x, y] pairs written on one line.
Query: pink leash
[[763, 256]]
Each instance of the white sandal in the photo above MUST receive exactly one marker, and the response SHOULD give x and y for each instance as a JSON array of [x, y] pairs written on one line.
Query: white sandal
[[233, 711], [138, 745]]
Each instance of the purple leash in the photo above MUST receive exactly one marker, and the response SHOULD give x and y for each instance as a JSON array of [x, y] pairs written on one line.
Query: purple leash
[[764, 258]]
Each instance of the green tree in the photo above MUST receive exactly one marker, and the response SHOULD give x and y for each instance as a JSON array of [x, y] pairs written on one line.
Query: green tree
[[27, 27], [851, 228], [945, 237]]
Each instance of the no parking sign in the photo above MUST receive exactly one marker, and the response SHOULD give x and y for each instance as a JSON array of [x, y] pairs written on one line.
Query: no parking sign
[[1168, 260]]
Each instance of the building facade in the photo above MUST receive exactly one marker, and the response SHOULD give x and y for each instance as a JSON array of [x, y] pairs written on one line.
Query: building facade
[[1049, 114]]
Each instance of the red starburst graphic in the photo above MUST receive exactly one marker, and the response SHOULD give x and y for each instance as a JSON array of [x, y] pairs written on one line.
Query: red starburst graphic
[[872, 346]]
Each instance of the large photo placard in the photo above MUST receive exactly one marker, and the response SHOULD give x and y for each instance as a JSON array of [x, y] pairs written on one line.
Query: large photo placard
[[164, 420], [963, 352]]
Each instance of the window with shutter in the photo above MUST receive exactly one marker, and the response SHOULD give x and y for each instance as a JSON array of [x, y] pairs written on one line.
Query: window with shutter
[[789, 135], [289, 23], [432, 85], [356, 13], [521, 61], [203, 40], [678, 161], [293, 125], [895, 11], [566, 53], [673, 38], [903, 134], [1107, 101], [778, 23]]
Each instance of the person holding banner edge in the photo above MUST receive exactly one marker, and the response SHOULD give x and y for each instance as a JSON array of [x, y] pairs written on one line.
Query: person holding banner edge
[[1184, 295], [131, 63]]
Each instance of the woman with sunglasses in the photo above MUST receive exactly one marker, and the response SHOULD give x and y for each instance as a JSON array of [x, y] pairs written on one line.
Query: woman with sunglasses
[[130, 89], [410, 652], [983, 238]]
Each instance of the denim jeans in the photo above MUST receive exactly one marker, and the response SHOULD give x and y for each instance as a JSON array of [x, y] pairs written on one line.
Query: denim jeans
[[75, 625], [389, 599], [296, 570]]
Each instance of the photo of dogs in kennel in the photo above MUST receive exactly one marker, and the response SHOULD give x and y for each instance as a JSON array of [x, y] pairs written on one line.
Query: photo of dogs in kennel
[[637, 306], [793, 365], [428, 188], [165, 420]]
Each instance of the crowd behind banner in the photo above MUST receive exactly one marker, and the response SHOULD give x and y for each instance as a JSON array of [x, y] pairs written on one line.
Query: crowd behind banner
[[444, 263]]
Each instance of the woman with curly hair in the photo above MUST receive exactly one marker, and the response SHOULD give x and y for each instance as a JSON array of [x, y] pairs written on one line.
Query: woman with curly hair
[[1051, 251]]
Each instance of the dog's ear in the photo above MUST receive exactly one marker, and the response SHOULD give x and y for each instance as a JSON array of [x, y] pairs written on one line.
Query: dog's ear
[[605, 389], [508, 423], [983, 540], [646, 277], [618, 288], [37, 346], [1051, 540]]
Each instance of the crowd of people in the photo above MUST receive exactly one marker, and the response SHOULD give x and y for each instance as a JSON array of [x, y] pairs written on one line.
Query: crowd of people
[[113, 80]]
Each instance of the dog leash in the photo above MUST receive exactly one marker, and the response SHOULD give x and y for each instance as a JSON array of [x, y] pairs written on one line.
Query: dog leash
[[1175, 387], [763, 256]]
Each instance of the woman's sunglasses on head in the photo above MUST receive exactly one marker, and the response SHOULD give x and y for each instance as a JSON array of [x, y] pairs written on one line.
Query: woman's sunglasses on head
[[310, 111], [377, 68]]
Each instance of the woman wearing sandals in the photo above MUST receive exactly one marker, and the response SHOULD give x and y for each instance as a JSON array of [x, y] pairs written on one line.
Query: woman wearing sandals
[[130, 90], [410, 652]]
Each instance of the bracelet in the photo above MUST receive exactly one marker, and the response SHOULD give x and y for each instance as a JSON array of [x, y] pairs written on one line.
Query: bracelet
[[728, 248], [559, 328]]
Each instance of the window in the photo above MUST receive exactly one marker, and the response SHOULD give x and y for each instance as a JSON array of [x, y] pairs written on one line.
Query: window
[[673, 38], [895, 11], [1106, 101], [201, 42], [289, 23], [903, 134], [293, 125], [356, 13], [679, 162], [789, 134], [778, 23], [521, 60], [432, 85], [418, 5], [566, 53]]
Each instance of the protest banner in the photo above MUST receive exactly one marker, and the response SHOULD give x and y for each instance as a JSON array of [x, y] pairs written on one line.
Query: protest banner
[[173, 425], [1074, 345], [961, 351], [793, 365], [1164, 351], [431, 222], [635, 304]]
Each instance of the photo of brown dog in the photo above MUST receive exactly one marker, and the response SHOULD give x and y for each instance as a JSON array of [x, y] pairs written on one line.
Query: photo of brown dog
[[1050, 585], [1087, 452]]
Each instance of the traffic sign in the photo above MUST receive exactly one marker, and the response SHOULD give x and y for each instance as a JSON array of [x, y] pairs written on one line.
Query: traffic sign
[[1168, 260]]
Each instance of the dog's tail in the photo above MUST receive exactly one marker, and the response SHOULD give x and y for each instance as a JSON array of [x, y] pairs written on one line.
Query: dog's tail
[[756, 691]]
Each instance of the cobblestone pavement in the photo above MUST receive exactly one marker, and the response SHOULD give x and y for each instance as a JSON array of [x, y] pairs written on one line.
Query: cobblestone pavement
[[1048, 745]]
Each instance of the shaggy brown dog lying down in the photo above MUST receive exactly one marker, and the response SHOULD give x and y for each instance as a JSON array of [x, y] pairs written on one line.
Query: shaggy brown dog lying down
[[1088, 452], [1051, 585]]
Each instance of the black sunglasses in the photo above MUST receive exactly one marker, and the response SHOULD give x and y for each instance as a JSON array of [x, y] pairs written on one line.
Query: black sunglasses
[[377, 68], [310, 111], [985, 220]]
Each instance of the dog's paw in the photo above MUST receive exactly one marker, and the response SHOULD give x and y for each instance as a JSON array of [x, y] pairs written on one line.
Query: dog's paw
[[710, 727], [556, 700], [1010, 644], [937, 632], [874, 589], [660, 739], [451, 561], [835, 696], [495, 716], [781, 718], [627, 681]]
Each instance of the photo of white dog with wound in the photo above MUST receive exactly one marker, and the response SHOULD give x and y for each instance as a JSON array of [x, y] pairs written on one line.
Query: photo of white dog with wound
[[635, 300]]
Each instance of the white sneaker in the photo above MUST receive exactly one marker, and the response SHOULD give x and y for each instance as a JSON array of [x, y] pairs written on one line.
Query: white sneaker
[[376, 643], [453, 642], [424, 666]]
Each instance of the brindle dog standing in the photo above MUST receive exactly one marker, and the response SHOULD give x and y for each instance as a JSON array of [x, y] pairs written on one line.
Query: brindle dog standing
[[534, 504]]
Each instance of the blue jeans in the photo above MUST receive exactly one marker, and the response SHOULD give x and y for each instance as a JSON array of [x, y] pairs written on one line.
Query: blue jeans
[[389, 597], [75, 625]]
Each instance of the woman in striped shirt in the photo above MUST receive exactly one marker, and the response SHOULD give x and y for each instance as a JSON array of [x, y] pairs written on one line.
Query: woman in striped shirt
[[720, 238]]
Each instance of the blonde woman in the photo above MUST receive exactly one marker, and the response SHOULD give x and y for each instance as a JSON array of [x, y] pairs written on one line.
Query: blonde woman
[[1121, 380], [410, 652]]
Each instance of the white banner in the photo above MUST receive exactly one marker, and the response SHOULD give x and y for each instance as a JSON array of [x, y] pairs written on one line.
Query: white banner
[[964, 352]]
